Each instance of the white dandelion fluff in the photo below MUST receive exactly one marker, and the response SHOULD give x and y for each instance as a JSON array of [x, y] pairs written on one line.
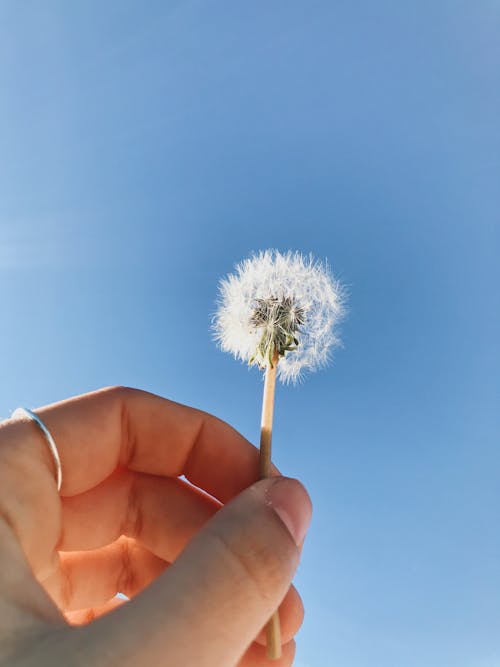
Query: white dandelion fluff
[[288, 303]]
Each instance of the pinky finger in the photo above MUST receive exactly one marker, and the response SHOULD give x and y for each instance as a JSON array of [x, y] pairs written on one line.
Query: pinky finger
[[85, 616]]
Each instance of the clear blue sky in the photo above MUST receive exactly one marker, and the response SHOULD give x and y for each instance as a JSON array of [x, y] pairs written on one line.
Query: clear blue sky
[[147, 147]]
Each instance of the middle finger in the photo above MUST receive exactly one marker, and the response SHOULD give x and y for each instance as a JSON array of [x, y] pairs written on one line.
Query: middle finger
[[162, 513]]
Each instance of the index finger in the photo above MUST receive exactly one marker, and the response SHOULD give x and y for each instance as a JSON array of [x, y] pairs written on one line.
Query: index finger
[[119, 426]]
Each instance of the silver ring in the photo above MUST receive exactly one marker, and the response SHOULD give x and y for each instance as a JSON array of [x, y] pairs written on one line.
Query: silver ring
[[24, 412]]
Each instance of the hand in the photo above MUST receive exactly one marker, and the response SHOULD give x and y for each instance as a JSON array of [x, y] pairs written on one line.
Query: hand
[[121, 520]]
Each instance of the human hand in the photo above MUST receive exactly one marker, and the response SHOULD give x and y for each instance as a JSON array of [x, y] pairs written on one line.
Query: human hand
[[122, 517]]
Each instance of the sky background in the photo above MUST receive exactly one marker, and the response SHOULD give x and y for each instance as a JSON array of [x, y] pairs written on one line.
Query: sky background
[[145, 148]]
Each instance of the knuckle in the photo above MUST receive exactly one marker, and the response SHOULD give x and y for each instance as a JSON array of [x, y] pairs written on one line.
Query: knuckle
[[127, 578], [117, 391], [134, 517], [66, 588], [122, 396]]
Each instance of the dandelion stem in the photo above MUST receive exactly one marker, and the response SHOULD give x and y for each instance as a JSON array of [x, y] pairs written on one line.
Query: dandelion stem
[[273, 630]]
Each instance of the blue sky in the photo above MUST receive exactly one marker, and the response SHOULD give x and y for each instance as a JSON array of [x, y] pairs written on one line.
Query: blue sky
[[147, 148]]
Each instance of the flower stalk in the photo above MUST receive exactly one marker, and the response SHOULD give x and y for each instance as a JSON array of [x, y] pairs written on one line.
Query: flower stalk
[[273, 629]]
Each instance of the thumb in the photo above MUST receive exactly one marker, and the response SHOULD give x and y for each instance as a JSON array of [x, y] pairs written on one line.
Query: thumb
[[212, 602]]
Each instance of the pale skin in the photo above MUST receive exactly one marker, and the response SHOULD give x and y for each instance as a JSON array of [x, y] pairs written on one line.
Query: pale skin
[[122, 518]]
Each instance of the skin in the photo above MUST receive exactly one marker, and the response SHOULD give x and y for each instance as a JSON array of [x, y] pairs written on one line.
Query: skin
[[122, 521]]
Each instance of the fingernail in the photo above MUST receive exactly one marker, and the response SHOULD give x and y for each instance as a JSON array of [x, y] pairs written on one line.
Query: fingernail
[[292, 504]]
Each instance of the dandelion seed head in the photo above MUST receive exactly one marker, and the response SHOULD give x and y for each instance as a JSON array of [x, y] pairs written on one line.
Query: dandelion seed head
[[291, 294]]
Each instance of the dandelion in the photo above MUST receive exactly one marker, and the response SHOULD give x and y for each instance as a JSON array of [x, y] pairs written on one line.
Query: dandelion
[[279, 312], [286, 302]]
